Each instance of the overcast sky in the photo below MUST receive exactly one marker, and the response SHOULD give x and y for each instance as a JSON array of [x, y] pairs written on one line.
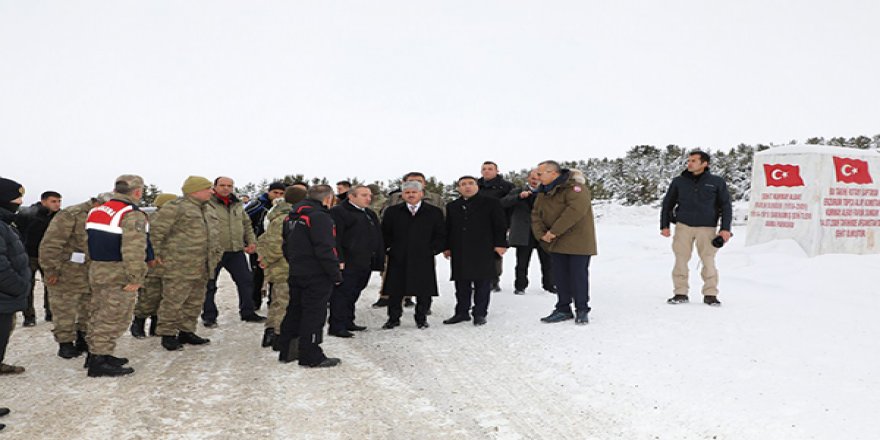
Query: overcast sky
[[254, 89]]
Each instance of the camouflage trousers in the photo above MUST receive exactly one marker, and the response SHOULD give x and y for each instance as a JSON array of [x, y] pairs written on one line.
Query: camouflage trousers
[[180, 305], [110, 309], [148, 298], [280, 299], [70, 299]]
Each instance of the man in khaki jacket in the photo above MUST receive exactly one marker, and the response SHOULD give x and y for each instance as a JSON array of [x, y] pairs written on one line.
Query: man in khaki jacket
[[237, 239], [562, 220], [184, 237]]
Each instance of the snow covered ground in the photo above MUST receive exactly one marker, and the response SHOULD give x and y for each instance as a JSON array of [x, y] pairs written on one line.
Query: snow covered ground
[[792, 354]]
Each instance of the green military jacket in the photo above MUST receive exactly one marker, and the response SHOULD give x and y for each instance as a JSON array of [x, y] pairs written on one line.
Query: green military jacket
[[567, 212], [234, 226], [185, 233], [65, 236], [269, 245]]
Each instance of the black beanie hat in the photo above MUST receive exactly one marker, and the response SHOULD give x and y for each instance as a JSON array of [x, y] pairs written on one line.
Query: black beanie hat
[[277, 185], [10, 190]]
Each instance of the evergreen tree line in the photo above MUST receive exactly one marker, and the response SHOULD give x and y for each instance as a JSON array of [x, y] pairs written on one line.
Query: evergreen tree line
[[640, 177]]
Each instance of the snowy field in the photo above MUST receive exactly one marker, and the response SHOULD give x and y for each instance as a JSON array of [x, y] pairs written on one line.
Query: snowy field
[[792, 354]]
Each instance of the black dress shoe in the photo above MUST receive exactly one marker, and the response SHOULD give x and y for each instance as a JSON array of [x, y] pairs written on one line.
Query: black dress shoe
[[341, 333], [356, 328], [391, 323], [327, 362], [422, 324], [192, 339], [382, 302], [4, 411], [209, 323], [408, 302], [253, 317], [455, 319], [479, 320]]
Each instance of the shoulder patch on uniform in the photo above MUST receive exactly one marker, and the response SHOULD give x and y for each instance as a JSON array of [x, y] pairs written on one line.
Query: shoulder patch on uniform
[[577, 189]]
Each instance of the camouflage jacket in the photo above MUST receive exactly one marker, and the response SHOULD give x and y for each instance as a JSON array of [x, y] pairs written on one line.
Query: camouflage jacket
[[185, 238], [269, 245], [65, 236]]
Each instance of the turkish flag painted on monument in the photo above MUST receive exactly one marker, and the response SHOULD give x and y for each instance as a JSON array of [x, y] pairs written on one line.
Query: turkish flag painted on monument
[[851, 170], [783, 175]]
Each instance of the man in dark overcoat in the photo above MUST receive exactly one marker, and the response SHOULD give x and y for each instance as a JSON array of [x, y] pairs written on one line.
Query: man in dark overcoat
[[414, 233], [476, 234]]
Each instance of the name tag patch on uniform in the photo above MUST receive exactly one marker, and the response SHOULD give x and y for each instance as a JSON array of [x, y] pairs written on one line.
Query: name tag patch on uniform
[[577, 189]]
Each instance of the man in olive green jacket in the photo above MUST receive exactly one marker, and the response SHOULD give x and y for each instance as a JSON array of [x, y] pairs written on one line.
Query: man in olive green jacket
[[184, 237], [237, 238], [562, 221]]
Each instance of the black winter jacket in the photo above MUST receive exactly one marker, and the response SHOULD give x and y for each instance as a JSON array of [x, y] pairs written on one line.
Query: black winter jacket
[[697, 201], [358, 237], [32, 222], [310, 241], [15, 271]]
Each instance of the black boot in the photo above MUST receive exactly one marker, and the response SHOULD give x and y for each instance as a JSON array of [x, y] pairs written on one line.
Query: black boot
[[290, 351], [81, 345], [67, 350], [192, 339], [171, 343], [104, 366], [268, 337], [108, 358], [137, 328], [154, 321]]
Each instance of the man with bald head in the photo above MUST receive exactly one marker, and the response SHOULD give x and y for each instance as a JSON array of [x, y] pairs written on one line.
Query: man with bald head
[[237, 240]]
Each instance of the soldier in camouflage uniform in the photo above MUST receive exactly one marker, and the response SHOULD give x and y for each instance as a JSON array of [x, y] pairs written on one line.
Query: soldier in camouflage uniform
[[269, 248], [147, 305], [117, 243], [65, 262], [185, 239]]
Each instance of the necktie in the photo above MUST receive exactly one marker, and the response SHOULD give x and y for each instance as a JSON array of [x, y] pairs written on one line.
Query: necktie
[[412, 209]]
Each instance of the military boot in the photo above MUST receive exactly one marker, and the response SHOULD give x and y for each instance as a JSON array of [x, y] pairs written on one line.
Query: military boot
[[67, 350], [192, 339], [81, 345], [137, 328], [154, 321], [108, 358], [268, 337], [171, 343], [290, 351], [104, 366]]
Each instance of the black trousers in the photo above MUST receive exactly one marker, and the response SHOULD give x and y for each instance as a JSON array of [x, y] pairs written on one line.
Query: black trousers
[[236, 263], [345, 296], [423, 305], [31, 312], [6, 322], [523, 258], [258, 277], [572, 275], [479, 290], [306, 315]]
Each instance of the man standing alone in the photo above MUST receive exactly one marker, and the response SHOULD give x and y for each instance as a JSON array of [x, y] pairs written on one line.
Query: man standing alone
[[694, 202]]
